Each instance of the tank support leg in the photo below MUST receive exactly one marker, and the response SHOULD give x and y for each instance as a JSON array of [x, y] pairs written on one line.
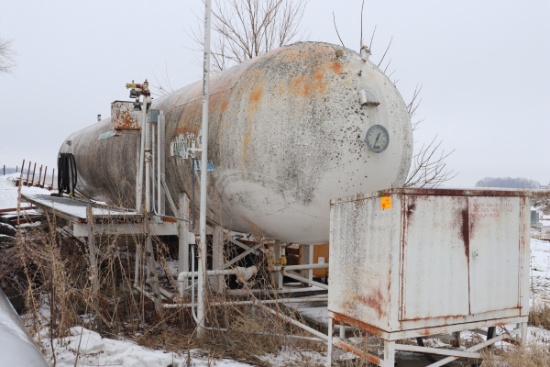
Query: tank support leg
[[389, 354], [218, 281], [307, 258], [329, 344], [278, 251], [183, 233], [92, 249]]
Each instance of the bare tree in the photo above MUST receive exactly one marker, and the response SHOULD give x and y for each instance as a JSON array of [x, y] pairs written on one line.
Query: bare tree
[[429, 163], [429, 166], [244, 29], [6, 56]]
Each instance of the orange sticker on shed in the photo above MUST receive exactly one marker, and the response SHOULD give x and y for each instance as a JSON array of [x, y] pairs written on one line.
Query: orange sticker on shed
[[385, 202]]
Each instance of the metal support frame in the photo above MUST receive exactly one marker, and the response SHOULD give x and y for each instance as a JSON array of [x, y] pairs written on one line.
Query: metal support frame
[[391, 347], [278, 252], [307, 258], [289, 274], [183, 229], [241, 256], [218, 282], [92, 249], [201, 310]]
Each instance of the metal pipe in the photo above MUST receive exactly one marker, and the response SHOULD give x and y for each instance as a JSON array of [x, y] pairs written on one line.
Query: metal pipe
[[184, 275], [160, 144], [204, 164], [139, 178], [153, 167], [301, 267], [147, 158], [476, 347], [305, 280], [290, 320], [198, 321], [323, 339], [253, 302], [239, 257]]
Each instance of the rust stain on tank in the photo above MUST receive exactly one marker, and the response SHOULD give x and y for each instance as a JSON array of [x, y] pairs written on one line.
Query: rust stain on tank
[[336, 68], [225, 104], [304, 85], [318, 83], [255, 97]]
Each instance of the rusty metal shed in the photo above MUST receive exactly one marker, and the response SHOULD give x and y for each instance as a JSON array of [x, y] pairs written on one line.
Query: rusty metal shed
[[408, 263]]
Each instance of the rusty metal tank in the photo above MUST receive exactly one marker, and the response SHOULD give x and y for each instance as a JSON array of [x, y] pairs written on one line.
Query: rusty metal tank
[[287, 133]]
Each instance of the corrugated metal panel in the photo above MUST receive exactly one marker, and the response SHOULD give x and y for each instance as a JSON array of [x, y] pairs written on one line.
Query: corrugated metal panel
[[430, 259], [365, 254], [494, 253], [435, 261]]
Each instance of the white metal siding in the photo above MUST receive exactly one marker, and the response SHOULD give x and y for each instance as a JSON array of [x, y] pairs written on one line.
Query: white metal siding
[[436, 258], [435, 266]]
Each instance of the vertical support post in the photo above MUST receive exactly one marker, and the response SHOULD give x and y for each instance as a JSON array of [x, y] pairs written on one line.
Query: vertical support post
[[40, 175], [141, 157], [330, 331], [342, 331], [389, 354], [160, 164], [523, 332], [307, 258], [33, 173], [183, 233], [204, 171], [28, 173], [44, 179], [92, 249], [218, 283], [278, 252], [455, 342]]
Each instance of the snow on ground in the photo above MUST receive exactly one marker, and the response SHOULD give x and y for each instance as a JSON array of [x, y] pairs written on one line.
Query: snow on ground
[[93, 350], [540, 271]]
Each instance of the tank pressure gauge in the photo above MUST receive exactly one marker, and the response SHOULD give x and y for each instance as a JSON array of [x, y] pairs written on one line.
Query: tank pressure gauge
[[377, 138]]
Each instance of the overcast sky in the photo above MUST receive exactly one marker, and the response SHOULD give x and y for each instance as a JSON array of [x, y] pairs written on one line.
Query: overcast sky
[[484, 67]]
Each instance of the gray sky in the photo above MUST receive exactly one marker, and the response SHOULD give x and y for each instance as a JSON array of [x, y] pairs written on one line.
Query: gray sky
[[484, 67]]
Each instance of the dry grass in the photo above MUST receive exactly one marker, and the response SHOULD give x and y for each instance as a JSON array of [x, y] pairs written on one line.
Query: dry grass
[[46, 268], [533, 355], [539, 315]]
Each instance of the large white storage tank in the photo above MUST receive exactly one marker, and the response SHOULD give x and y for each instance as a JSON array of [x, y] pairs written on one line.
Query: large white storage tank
[[288, 131]]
